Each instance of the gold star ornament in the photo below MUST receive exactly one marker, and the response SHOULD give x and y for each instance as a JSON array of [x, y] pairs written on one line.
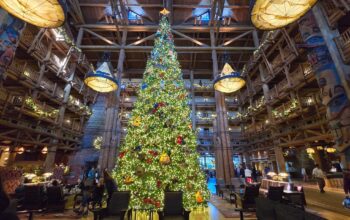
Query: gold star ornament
[[164, 11]]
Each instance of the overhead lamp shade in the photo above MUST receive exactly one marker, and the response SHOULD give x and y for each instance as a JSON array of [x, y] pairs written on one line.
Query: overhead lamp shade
[[44, 150], [331, 150], [229, 80], [102, 80], [20, 150], [275, 14], [310, 150], [41, 13]]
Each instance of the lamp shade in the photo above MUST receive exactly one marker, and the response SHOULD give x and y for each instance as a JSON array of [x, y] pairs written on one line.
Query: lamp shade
[[44, 150], [310, 150], [41, 13], [275, 14], [102, 80], [229, 80], [331, 150]]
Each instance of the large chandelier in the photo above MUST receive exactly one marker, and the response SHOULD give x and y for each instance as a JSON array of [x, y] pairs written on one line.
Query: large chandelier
[[275, 14], [229, 80], [41, 13], [102, 80]]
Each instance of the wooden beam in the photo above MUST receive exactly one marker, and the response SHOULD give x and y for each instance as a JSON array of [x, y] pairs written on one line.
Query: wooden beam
[[101, 37], [190, 38], [235, 38]]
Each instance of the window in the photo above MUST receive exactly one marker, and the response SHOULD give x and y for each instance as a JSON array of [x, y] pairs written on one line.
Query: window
[[205, 16], [132, 15]]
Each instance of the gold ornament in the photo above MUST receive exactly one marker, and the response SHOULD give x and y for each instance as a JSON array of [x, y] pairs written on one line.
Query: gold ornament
[[128, 180], [199, 197], [164, 159], [137, 121]]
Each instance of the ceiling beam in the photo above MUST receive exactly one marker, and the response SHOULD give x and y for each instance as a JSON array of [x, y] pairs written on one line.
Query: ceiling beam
[[153, 28], [179, 49]]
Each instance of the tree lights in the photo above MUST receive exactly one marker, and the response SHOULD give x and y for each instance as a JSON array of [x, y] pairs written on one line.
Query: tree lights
[[159, 152]]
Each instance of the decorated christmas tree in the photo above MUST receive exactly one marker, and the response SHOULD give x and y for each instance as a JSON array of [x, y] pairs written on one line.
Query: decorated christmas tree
[[159, 152]]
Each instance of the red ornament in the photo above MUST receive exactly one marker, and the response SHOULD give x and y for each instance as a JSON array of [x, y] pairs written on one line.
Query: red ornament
[[157, 204], [161, 104], [159, 183], [153, 153], [179, 139], [121, 154], [149, 160]]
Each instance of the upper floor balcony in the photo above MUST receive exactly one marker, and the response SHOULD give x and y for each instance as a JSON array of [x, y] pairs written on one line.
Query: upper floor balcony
[[343, 44]]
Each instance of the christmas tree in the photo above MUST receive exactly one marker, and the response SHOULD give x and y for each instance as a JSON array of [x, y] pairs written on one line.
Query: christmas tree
[[159, 152]]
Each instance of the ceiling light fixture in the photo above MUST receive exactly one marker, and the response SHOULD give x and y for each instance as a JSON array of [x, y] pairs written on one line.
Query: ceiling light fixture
[[102, 80], [275, 14], [229, 80], [44, 13]]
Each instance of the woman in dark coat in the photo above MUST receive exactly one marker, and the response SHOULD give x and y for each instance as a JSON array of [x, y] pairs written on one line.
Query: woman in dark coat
[[110, 184]]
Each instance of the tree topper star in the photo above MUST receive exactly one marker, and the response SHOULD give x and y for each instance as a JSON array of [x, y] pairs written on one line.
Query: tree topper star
[[164, 11]]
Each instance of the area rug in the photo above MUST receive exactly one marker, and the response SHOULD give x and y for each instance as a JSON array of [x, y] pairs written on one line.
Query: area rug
[[227, 209], [48, 216]]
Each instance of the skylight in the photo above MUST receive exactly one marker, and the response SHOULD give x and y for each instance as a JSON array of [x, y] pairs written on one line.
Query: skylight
[[205, 16], [132, 15]]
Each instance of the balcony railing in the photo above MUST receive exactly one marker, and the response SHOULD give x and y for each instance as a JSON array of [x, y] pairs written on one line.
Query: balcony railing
[[333, 11], [343, 44]]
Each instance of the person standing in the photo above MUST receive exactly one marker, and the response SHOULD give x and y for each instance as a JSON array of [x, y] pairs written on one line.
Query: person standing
[[241, 172], [110, 185], [346, 182], [318, 174], [304, 174], [254, 175], [248, 175]]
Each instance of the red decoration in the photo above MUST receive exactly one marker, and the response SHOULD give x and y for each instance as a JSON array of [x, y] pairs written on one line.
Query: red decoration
[[179, 139], [153, 153], [157, 204], [121, 154], [159, 183], [149, 160]]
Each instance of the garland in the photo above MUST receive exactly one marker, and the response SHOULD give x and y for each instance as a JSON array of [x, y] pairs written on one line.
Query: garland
[[38, 109]]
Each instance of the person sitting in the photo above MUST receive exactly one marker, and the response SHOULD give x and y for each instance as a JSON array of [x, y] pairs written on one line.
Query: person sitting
[[4, 205]]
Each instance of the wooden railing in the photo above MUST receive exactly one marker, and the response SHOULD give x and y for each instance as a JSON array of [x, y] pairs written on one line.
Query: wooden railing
[[343, 44], [332, 12]]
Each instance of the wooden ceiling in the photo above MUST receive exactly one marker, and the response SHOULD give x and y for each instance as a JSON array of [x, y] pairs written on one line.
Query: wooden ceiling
[[229, 19]]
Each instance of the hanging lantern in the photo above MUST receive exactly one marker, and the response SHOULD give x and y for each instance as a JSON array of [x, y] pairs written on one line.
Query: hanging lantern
[[275, 14], [310, 150], [44, 150], [331, 150], [102, 80], [229, 80], [319, 147], [44, 13], [20, 150]]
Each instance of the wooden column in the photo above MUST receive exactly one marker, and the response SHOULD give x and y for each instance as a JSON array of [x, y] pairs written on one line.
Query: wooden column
[[281, 164], [108, 151], [49, 163], [223, 149], [343, 71], [193, 116], [331, 74]]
